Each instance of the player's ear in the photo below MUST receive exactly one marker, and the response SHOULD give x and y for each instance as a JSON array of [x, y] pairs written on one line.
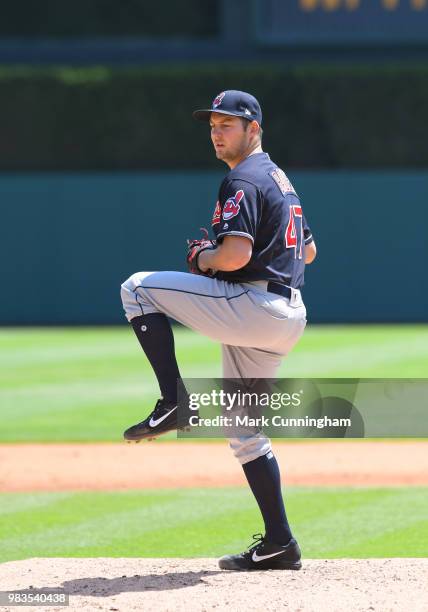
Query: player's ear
[[255, 128]]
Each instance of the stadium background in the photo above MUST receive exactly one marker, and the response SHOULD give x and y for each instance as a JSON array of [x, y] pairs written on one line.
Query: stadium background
[[103, 172], [101, 161]]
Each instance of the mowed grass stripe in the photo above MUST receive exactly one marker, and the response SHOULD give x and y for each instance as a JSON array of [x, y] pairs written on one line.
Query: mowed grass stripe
[[100, 347], [344, 362], [18, 503], [393, 543], [378, 513], [208, 522], [70, 510], [56, 356], [114, 522], [58, 348], [360, 352]]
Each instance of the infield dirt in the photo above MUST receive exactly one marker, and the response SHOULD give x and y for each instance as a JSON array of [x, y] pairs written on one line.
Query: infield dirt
[[102, 466]]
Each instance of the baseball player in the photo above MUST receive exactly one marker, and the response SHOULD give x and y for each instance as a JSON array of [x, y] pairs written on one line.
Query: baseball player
[[244, 292]]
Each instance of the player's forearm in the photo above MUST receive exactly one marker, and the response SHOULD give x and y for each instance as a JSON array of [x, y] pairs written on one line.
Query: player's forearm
[[310, 252], [225, 259]]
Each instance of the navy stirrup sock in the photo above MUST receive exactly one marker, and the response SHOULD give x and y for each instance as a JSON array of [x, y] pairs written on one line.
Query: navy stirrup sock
[[264, 479], [157, 341]]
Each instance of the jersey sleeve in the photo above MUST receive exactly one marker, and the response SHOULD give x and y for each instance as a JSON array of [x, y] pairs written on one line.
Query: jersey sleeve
[[307, 234], [238, 210]]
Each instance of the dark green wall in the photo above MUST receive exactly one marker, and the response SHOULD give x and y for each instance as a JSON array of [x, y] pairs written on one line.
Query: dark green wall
[[104, 119], [69, 240]]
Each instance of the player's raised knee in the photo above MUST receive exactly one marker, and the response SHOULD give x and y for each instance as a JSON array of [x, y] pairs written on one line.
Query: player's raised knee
[[134, 281], [127, 290]]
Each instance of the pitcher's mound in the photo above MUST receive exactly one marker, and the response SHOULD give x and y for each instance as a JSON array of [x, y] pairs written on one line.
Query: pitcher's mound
[[198, 584]]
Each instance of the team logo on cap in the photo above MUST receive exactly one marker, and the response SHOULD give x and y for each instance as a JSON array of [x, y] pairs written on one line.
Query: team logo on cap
[[231, 207], [217, 101]]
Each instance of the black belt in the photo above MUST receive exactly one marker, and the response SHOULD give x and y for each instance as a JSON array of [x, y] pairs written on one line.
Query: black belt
[[279, 289]]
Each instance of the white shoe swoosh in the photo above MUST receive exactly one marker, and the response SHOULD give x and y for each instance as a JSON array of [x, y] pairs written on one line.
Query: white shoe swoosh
[[153, 423], [257, 558]]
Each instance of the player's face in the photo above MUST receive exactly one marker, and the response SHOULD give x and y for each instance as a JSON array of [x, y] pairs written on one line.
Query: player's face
[[231, 141]]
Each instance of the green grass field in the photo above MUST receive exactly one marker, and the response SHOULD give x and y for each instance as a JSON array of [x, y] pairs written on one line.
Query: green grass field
[[90, 383], [329, 523]]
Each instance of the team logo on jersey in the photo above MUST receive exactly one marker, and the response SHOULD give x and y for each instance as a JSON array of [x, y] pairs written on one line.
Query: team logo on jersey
[[217, 214], [231, 207], [217, 101]]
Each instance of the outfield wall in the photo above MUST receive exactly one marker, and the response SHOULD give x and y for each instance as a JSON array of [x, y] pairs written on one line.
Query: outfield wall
[[69, 240]]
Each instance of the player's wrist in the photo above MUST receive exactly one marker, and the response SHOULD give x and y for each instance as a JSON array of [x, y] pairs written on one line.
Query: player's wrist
[[203, 260]]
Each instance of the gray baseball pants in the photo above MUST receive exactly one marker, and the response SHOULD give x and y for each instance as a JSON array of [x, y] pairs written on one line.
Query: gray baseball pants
[[255, 328]]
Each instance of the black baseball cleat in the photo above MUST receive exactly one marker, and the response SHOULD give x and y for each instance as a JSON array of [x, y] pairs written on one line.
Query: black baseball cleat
[[162, 419], [264, 555]]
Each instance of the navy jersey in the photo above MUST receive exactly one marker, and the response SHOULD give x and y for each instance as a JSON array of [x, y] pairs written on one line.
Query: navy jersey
[[257, 200]]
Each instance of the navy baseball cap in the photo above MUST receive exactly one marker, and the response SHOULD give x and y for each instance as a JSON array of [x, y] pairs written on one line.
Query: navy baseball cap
[[232, 102]]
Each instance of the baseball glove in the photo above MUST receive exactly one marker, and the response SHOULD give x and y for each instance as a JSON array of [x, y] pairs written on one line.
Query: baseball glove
[[194, 248]]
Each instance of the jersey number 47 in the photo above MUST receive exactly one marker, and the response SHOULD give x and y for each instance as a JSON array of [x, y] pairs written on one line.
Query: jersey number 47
[[294, 231]]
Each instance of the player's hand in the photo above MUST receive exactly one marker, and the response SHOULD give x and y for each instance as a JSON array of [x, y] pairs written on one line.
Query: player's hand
[[195, 248], [202, 265]]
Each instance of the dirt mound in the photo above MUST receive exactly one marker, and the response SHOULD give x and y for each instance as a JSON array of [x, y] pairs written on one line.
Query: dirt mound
[[56, 467], [198, 584]]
